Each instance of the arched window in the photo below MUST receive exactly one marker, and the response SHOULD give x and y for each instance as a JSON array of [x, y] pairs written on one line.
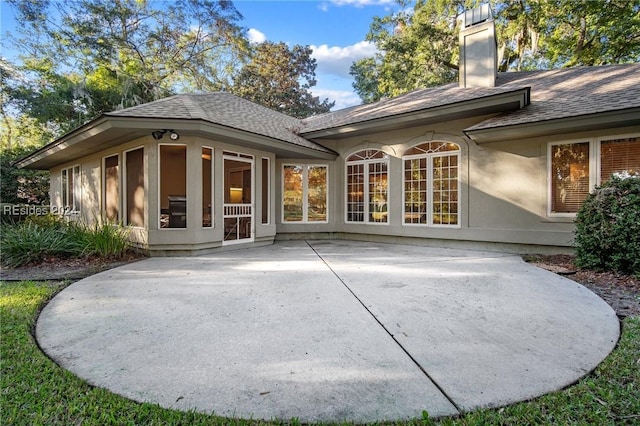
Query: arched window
[[431, 184], [367, 186]]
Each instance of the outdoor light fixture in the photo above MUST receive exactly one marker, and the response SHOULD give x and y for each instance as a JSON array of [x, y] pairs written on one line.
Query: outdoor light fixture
[[159, 134]]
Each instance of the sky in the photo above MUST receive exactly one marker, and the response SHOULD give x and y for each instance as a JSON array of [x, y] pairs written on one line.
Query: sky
[[334, 29]]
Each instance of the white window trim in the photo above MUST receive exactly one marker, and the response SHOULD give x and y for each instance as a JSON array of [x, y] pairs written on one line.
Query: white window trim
[[213, 189], [76, 190], [159, 187], [305, 194], [125, 210], [594, 165], [103, 205], [366, 188], [429, 157]]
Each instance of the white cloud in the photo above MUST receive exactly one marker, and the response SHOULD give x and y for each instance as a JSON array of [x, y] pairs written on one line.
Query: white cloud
[[343, 98], [255, 36], [337, 60], [324, 7]]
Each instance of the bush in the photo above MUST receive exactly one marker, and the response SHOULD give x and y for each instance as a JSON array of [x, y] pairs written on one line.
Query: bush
[[608, 227], [38, 238]]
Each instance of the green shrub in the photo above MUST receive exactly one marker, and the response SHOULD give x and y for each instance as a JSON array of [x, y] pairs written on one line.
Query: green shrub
[[37, 238], [608, 227], [107, 240]]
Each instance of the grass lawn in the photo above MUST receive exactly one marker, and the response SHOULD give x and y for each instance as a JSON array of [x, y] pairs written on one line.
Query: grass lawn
[[35, 391]]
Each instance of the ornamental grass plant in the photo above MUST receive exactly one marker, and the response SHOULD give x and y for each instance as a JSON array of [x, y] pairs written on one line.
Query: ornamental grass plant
[[39, 238]]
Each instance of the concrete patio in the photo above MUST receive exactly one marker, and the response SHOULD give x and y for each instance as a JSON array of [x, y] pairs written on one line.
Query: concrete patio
[[329, 331]]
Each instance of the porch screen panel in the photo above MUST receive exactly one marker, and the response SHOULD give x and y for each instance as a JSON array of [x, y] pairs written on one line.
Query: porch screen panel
[[207, 187], [445, 190], [173, 186], [355, 193], [317, 194], [112, 188], [378, 192], [569, 176], [293, 192], [619, 157], [135, 187]]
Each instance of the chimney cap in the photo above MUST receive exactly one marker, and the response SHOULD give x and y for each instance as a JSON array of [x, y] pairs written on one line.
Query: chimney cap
[[476, 16]]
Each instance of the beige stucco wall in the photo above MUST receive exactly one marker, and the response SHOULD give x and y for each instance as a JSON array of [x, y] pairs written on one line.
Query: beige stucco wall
[[195, 236], [503, 198], [503, 192]]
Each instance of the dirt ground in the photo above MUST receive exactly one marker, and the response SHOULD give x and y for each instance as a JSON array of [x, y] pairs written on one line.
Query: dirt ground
[[621, 292]]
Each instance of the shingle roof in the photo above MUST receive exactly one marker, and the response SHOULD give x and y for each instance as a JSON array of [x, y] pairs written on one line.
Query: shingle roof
[[570, 92], [555, 94], [416, 100], [227, 110]]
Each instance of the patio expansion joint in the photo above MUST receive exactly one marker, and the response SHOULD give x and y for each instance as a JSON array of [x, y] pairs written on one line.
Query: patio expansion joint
[[386, 330]]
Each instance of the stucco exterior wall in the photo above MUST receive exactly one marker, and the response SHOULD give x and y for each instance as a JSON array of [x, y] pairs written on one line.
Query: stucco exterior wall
[[503, 192]]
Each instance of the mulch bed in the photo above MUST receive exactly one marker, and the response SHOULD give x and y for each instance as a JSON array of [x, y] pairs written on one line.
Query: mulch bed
[[620, 291]]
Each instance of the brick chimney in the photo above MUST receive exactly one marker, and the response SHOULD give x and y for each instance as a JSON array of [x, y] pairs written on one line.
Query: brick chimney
[[478, 48]]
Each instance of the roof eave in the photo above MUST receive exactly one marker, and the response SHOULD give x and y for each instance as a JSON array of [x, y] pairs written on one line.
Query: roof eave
[[491, 104], [109, 131], [603, 120]]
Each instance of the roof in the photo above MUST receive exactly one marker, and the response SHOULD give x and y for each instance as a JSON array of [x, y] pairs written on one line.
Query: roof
[[555, 94], [417, 100], [523, 104], [570, 92], [224, 109]]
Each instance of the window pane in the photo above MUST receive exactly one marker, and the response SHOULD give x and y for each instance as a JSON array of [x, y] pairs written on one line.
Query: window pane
[[112, 189], [619, 157], [355, 193], [65, 189], [378, 192], [292, 198], [569, 176], [265, 191], [445, 194], [207, 187], [135, 187], [317, 196], [173, 186], [415, 196]]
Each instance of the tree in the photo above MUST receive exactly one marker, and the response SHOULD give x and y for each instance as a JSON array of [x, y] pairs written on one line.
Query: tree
[[84, 57], [587, 32], [418, 46], [280, 78]]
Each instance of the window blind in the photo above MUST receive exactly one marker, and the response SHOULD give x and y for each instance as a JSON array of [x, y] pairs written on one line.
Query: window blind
[[619, 156]]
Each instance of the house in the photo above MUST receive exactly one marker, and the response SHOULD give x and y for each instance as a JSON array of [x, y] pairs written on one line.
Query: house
[[497, 161]]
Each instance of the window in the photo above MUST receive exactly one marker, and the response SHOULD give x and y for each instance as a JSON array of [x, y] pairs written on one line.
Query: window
[[71, 189], [112, 189], [265, 191], [173, 186], [304, 193], [576, 167], [367, 186], [134, 162], [431, 184], [207, 187]]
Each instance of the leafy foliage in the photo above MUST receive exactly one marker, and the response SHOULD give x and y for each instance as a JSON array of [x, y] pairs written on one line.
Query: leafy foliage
[[280, 78], [21, 186], [418, 45], [608, 227], [102, 55], [37, 238]]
